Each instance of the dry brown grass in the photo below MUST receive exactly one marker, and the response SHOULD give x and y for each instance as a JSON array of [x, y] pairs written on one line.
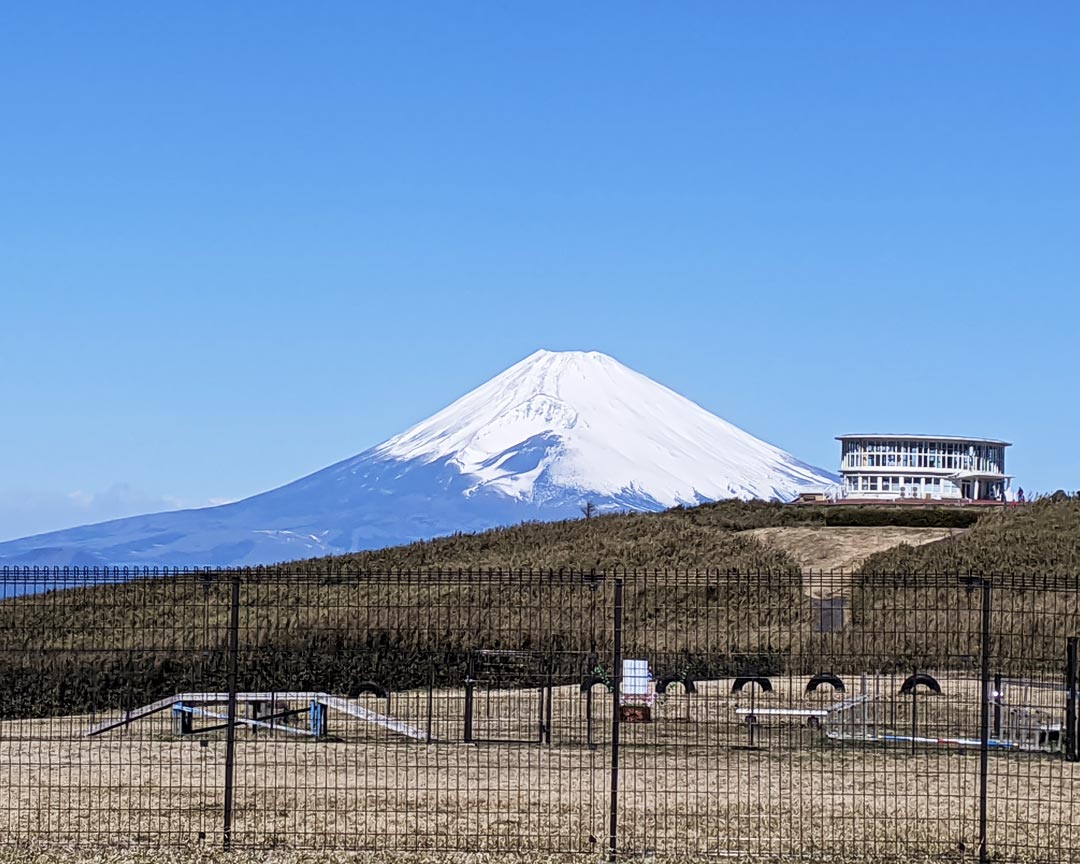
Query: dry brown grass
[[135, 642], [828, 548], [688, 785], [1040, 540], [203, 855]]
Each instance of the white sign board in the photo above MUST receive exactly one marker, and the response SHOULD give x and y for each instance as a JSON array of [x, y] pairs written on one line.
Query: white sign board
[[635, 677]]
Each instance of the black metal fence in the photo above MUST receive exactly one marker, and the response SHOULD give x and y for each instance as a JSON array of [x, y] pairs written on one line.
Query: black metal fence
[[754, 716]]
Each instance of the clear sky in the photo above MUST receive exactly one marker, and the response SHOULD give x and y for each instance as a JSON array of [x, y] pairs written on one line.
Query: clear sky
[[241, 241]]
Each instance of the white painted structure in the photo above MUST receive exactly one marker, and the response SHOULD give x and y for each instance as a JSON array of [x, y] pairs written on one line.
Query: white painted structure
[[636, 678], [189, 701], [923, 467]]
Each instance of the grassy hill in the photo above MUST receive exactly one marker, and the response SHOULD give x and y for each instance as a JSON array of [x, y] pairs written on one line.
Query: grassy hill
[[697, 538], [693, 537], [131, 643], [315, 625], [1031, 554], [1036, 540]]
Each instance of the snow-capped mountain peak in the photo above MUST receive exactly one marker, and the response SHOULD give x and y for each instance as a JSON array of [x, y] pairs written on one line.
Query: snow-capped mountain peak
[[607, 429], [535, 442]]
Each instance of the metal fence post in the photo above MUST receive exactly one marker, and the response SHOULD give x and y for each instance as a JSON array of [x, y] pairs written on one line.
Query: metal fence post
[[1072, 746], [469, 684], [613, 841], [430, 697], [230, 729], [998, 684], [984, 722], [549, 696], [914, 715]]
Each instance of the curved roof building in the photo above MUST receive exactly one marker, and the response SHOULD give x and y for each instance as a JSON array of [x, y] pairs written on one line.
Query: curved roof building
[[923, 467]]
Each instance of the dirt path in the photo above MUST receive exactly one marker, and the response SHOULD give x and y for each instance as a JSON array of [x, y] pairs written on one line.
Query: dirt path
[[821, 548]]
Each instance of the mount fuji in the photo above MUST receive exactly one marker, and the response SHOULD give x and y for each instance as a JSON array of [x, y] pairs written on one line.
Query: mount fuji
[[534, 443]]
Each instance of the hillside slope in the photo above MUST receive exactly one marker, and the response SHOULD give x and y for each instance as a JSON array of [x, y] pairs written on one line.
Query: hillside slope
[[315, 625], [534, 443], [86, 648], [696, 538], [1040, 539], [718, 535]]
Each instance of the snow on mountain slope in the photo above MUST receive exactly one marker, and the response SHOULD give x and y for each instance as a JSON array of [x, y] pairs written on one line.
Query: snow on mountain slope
[[535, 442], [616, 428]]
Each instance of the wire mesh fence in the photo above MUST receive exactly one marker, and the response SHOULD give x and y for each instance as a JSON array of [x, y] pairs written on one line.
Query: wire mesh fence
[[754, 716]]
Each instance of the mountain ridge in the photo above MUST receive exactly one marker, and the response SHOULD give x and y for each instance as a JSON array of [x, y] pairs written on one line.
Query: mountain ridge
[[533, 443]]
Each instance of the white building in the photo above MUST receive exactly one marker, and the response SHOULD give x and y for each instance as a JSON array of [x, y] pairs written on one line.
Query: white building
[[934, 467]]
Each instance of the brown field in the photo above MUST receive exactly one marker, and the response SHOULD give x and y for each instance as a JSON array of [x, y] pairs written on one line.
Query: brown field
[[834, 549], [689, 783]]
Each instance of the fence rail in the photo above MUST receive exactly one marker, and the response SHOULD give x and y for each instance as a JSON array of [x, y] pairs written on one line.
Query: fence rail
[[758, 716]]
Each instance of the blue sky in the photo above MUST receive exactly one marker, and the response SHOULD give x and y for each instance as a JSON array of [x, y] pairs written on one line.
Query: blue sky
[[239, 242]]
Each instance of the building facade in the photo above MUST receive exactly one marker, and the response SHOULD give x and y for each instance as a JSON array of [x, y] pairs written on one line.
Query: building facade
[[923, 467]]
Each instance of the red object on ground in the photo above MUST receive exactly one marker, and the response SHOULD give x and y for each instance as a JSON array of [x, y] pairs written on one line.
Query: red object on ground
[[635, 714]]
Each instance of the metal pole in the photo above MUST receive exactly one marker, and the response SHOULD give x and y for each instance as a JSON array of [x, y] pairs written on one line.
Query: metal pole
[[998, 684], [914, 716], [541, 701], [469, 701], [1072, 747], [550, 697], [230, 731], [430, 698], [588, 719], [751, 718], [617, 677], [984, 724], [550, 711]]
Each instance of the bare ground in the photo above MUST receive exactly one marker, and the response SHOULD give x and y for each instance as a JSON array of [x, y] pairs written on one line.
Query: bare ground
[[824, 549], [690, 785]]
